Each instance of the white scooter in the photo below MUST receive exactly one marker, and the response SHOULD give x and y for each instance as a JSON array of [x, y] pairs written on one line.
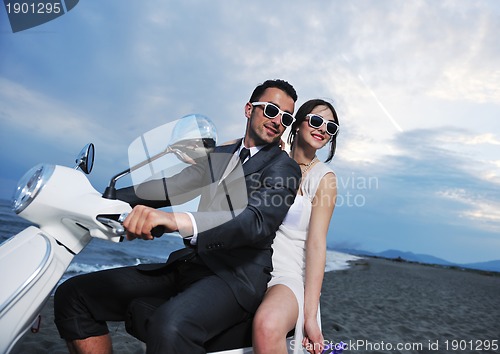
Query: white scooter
[[69, 212]]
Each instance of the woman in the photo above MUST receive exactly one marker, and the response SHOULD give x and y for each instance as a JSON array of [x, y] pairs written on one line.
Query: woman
[[292, 298]]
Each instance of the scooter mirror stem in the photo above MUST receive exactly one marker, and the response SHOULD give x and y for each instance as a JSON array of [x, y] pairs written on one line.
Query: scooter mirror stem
[[110, 192]]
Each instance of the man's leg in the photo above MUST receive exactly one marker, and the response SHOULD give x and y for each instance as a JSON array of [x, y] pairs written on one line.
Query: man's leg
[[83, 304], [185, 322], [94, 345]]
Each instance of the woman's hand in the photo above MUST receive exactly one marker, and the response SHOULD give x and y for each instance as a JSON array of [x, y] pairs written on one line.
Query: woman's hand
[[313, 338]]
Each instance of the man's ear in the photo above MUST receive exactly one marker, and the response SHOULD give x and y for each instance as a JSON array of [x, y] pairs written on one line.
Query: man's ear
[[248, 110]]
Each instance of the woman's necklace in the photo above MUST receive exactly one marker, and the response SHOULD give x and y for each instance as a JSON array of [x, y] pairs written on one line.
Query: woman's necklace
[[308, 165]]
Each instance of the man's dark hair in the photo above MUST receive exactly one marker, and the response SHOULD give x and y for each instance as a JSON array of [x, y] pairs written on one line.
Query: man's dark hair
[[279, 84]]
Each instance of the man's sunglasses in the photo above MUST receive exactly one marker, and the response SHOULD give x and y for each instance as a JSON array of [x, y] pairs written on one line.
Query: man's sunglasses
[[316, 121], [271, 111]]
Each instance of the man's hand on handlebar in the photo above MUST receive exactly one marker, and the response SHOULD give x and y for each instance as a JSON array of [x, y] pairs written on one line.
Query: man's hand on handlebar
[[146, 223]]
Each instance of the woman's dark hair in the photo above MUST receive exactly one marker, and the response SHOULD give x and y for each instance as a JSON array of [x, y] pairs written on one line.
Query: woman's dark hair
[[300, 116]]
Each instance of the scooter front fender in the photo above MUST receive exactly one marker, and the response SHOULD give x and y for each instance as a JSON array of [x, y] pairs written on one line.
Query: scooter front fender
[[32, 263], [67, 207]]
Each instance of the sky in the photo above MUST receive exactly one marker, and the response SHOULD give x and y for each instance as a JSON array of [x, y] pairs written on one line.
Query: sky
[[416, 85]]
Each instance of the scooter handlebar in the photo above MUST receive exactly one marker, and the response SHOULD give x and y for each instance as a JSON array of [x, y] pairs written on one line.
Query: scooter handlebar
[[156, 231]]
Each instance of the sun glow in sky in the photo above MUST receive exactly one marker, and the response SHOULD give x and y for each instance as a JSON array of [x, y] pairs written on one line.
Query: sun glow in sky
[[415, 83]]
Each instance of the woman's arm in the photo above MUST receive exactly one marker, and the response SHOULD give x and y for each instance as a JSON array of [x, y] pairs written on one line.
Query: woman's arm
[[322, 210]]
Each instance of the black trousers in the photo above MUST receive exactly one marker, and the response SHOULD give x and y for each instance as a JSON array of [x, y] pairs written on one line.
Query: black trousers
[[198, 305]]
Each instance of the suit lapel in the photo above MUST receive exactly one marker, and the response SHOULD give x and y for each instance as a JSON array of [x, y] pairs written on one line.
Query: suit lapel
[[254, 164], [261, 159], [219, 161]]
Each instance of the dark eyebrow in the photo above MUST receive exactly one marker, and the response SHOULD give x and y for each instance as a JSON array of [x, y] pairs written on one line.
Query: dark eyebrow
[[277, 105]]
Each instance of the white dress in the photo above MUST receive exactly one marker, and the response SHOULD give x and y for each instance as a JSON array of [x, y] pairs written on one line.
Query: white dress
[[289, 247]]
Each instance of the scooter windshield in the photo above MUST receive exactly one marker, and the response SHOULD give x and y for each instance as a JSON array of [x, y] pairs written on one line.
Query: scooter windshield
[[186, 174]]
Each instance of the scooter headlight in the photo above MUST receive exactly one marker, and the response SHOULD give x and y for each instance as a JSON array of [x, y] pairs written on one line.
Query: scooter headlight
[[30, 185]]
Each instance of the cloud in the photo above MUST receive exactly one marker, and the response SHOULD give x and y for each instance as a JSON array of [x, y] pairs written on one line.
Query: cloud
[[480, 208], [429, 197], [44, 116], [443, 50], [434, 162], [107, 73], [462, 82], [488, 138], [479, 152]]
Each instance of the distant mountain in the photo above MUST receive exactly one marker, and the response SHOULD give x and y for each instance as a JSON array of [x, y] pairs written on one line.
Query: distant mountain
[[493, 266], [412, 257]]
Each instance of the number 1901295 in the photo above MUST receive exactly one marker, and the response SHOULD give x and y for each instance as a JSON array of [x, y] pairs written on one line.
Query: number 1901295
[[32, 8], [473, 345]]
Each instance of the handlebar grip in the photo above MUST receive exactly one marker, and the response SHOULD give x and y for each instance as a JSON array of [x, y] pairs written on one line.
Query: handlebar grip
[[158, 231]]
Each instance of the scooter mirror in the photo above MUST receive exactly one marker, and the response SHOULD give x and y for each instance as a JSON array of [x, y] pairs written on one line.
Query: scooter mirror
[[85, 159], [192, 137], [189, 150]]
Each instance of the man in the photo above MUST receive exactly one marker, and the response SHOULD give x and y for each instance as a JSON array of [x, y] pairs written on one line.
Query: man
[[219, 279]]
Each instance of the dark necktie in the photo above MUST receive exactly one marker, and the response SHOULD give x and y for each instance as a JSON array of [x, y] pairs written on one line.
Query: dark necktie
[[244, 153]]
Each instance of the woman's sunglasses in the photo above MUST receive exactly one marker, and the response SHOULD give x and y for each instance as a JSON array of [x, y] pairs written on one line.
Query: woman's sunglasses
[[316, 121], [271, 111]]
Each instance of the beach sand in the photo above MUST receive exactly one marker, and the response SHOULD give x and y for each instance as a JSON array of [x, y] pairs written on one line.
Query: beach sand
[[372, 306], [418, 306]]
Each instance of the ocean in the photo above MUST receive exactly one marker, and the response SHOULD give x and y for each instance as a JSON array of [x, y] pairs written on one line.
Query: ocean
[[102, 254]]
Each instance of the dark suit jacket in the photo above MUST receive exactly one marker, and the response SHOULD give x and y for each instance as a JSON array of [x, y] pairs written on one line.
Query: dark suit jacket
[[235, 234]]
